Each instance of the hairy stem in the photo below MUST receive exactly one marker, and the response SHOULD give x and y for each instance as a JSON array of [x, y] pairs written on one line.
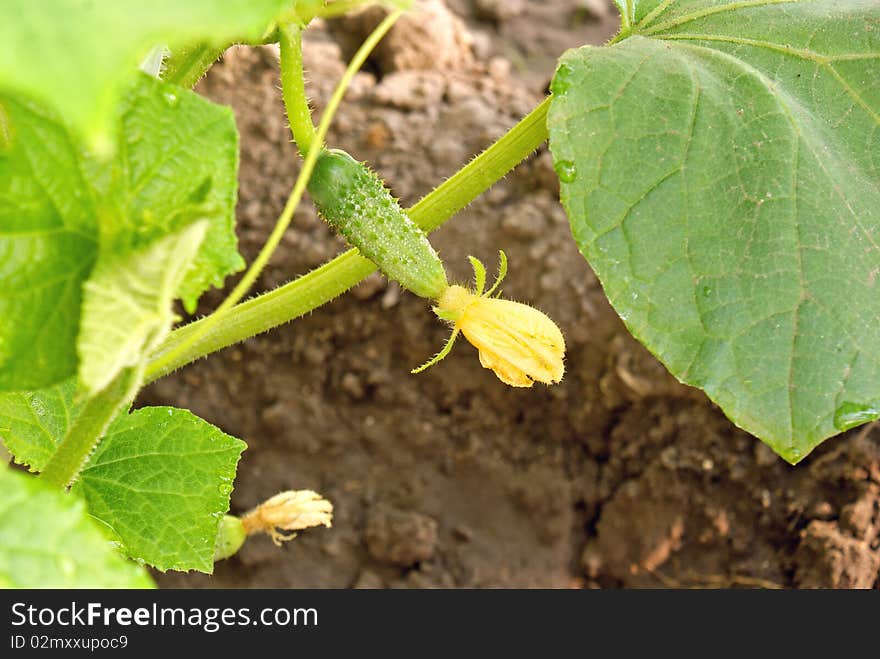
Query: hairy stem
[[186, 66], [322, 285], [89, 427], [293, 88]]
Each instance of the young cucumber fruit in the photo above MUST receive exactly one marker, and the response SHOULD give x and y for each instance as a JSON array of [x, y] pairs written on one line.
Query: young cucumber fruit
[[355, 201]]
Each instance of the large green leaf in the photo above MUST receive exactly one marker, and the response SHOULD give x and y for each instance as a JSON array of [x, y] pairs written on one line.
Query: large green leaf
[[720, 165], [161, 481], [48, 243], [78, 54], [127, 304], [177, 162], [48, 541]]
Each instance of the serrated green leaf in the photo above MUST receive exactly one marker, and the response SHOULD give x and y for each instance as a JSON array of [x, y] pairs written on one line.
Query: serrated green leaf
[[126, 309], [177, 162], [48, 243], [78, 55], [32, 422], [720, 169], [161, 481], [48, 541]]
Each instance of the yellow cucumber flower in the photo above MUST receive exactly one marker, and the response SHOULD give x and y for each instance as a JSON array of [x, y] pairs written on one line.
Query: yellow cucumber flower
[[518, 342]]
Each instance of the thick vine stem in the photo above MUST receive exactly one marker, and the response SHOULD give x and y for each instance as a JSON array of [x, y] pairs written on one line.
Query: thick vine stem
[[322, 285], [89, 427]]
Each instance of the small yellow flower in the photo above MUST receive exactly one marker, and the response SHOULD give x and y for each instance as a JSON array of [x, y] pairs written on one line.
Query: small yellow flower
[[519, 343], [292, 510]]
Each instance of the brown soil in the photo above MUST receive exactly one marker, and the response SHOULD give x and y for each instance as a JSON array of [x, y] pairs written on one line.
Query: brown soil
[[618, 477]]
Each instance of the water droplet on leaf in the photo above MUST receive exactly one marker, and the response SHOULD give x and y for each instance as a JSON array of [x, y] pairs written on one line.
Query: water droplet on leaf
[[566, 171], [850, 415]]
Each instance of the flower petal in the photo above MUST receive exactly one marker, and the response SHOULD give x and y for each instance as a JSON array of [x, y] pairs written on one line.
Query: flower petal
[[523, 337], [505, 371]]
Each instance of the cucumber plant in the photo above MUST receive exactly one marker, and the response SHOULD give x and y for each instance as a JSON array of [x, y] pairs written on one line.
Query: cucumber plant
[[718, 161]]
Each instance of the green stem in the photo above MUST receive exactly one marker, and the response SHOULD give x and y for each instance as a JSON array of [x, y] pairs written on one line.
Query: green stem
[[186, 66], [293, 88], [90, 426], [322, 285]]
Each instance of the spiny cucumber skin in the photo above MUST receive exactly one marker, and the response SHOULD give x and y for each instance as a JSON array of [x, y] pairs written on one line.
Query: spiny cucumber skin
[[354, 201]]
